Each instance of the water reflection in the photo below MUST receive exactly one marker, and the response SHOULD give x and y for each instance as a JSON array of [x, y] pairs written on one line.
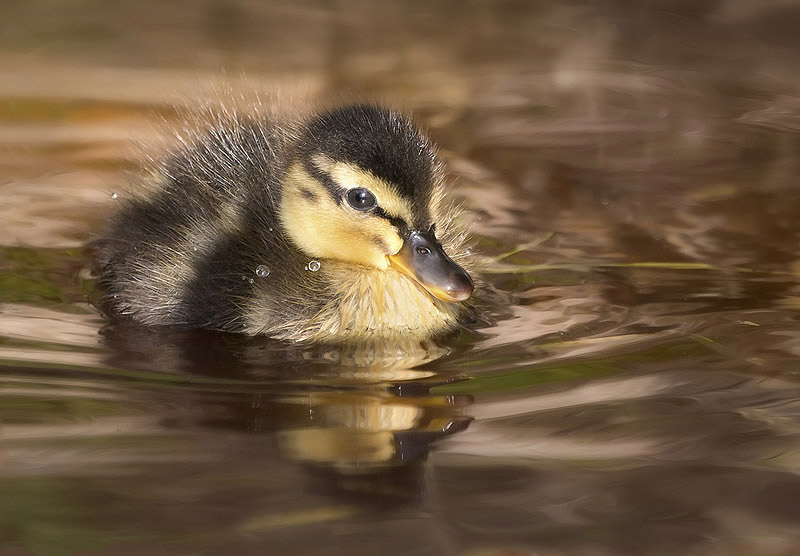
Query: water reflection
[[361, 409], [212, 440]]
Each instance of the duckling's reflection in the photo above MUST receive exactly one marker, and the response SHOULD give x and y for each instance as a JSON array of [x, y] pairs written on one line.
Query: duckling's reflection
[[359, 416]]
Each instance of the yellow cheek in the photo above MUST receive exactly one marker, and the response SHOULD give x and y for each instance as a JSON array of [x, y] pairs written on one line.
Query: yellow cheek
[[323, 229], [393, 240]]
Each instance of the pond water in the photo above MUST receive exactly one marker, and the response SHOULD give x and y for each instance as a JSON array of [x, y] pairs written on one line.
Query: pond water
[[631, 387]]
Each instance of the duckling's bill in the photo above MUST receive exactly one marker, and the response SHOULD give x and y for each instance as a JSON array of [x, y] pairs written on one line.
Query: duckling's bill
[[423, 259]]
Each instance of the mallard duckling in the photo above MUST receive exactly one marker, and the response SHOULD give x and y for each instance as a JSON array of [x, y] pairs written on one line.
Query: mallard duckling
[[324, 230]]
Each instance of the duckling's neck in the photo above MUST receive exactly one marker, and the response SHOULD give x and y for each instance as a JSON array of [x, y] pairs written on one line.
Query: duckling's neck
[[369, 303]]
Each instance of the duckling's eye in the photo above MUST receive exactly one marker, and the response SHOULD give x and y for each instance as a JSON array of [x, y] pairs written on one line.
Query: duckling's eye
[[361, 199]]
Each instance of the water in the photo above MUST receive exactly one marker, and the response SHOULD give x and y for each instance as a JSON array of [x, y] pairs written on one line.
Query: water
[[630, 388]]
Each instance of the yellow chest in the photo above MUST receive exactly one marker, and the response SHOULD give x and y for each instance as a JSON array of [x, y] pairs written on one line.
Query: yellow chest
[[380, 304]]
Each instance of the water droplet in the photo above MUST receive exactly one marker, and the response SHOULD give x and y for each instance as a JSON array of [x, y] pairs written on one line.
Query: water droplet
[[270, 229], [250, 280], [114, 195], [313, 266], [468, 251], [262, 271]]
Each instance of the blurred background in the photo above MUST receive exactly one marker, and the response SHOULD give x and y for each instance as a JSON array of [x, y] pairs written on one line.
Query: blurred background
[[630, 386]]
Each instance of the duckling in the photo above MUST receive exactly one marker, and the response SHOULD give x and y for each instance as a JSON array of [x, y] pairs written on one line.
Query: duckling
[[332, 228]]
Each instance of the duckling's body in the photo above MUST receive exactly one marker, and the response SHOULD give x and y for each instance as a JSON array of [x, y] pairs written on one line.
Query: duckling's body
[[322, 230]]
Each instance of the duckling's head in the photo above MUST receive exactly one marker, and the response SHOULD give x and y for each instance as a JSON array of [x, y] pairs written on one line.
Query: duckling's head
[[362, 189]]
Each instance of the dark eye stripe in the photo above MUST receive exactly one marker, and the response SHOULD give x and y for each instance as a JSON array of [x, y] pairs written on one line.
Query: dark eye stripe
[[395, 221], [333, 189]]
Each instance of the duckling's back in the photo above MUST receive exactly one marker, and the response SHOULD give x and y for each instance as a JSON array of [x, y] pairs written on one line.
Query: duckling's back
[[192, 251]]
